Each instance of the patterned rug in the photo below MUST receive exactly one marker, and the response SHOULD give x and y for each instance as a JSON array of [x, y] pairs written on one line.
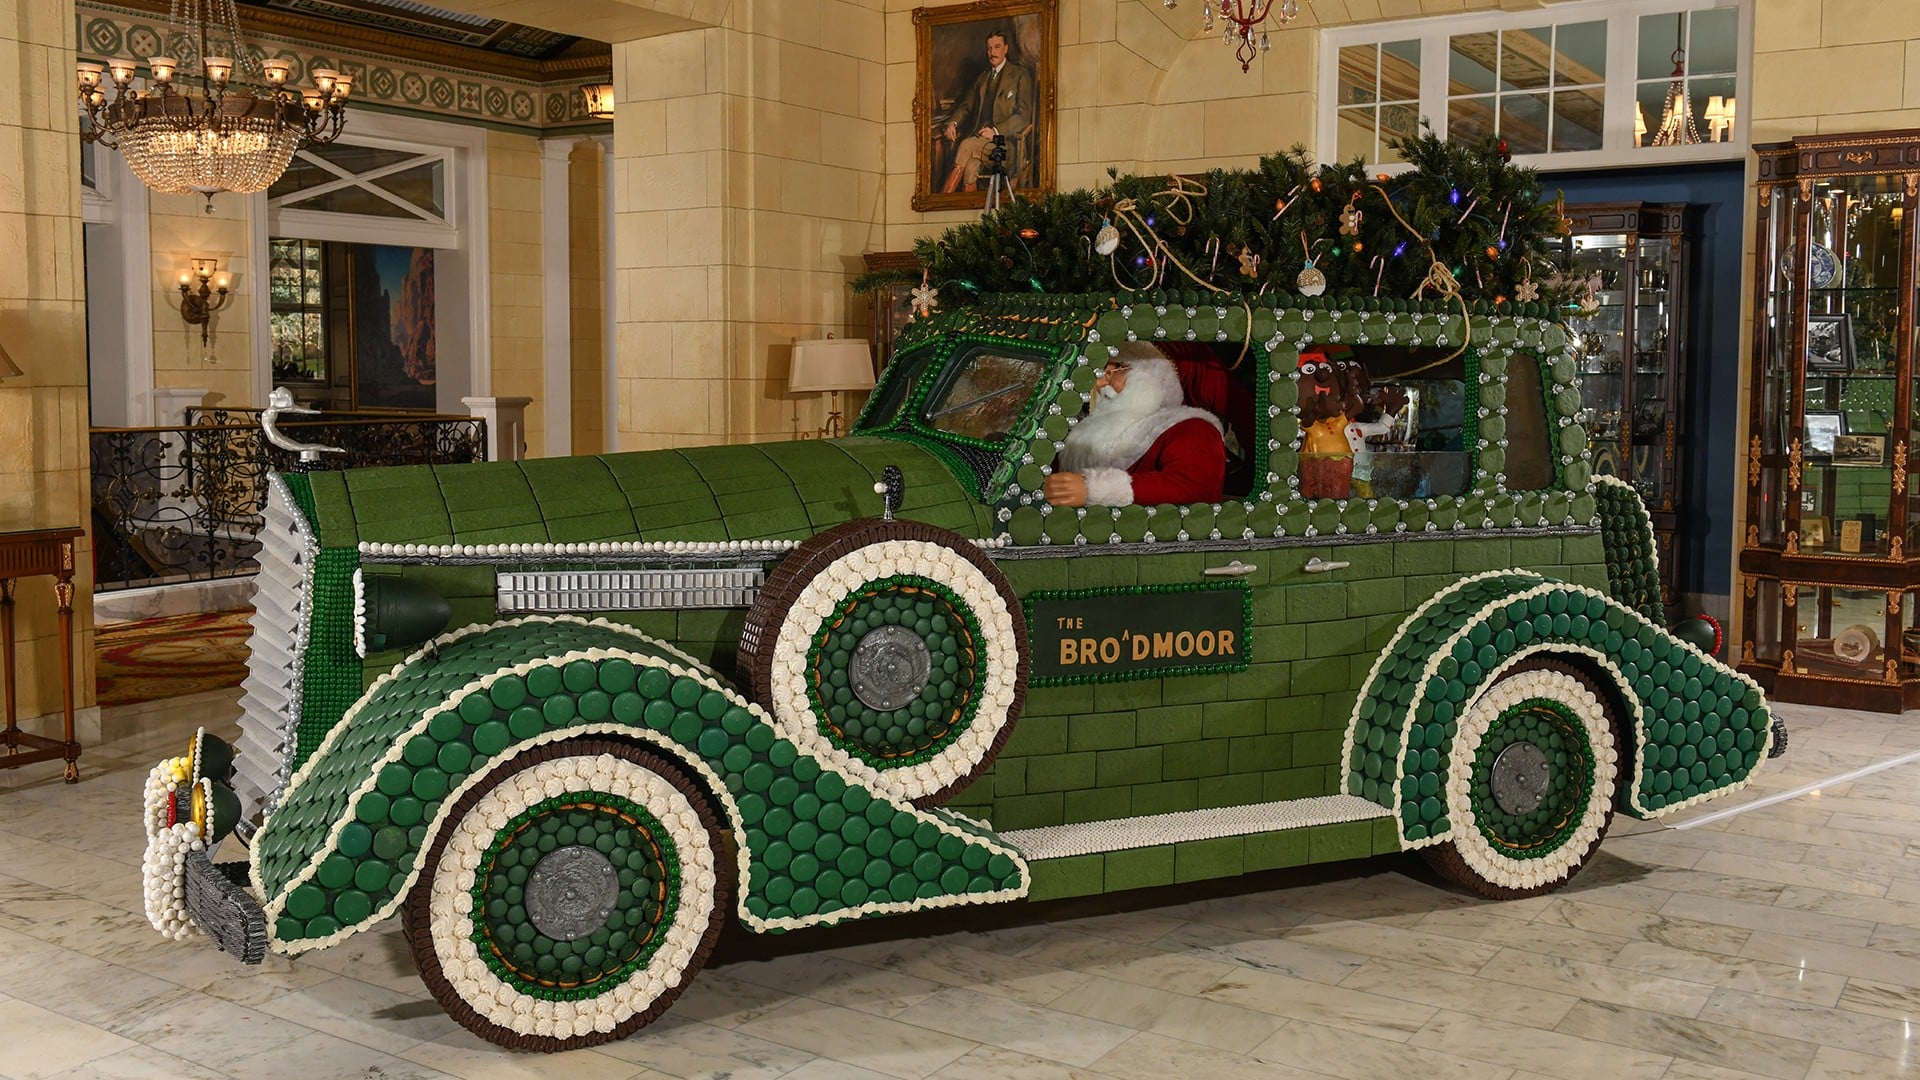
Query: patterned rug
[[168, 657]]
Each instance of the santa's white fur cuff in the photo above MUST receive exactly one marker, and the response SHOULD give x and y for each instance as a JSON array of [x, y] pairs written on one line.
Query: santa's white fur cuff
[[1108, 487]]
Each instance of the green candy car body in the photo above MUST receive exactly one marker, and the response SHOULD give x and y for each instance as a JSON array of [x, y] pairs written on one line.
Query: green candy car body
[[797, 683]]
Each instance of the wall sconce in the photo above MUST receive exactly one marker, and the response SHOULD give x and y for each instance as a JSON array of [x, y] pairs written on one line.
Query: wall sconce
[[1720, 115], [8, 369], [831, 364], [599, 99], [198, 305]]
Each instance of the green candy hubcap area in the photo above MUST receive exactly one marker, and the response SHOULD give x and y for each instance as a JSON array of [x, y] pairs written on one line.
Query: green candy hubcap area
[[895, 671], [552, 954], [1532, 779]]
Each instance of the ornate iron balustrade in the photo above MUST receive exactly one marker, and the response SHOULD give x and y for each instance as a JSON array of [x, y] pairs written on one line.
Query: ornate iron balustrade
[[173, 504]]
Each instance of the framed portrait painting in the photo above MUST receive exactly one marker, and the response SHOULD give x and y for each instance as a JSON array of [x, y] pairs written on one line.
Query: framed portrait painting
[[983, 106]]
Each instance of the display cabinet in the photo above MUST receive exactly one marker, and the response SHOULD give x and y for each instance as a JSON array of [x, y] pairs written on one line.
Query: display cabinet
[[892, 305], [1630, 347], [1829, 582]]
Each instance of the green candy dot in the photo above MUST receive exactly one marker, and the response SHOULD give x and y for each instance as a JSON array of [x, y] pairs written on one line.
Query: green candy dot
[[507, 692], [372, 876], [355, 840], [305, 902], [491, 737], [352, 906], [335, 873]]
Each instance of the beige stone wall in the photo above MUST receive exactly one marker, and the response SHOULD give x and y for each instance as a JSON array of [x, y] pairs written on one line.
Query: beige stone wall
[[181, 231], [513, 277], [587, 237], [43, 416], [749, 162]]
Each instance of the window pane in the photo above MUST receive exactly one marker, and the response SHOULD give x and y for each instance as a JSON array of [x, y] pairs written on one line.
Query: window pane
[[1703, 91], [988, 397], [1659, 37], [1470, 62], [1525, 57], [1397, 120], [301, 174], [1576, 119], [420, 186], [1529, 445], [1580, 54], [1653, 102], [1713, 41], [1471, 118], [1356, 133], [1359, 72], [354, 201], [1523, 122], [359, 159], [1400, 71]]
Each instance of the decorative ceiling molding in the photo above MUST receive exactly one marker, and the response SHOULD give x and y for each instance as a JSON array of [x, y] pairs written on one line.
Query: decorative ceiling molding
[[546, 104], [583, 61]]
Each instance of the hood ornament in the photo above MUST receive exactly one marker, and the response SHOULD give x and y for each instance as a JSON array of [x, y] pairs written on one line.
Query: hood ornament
[[281, 401]]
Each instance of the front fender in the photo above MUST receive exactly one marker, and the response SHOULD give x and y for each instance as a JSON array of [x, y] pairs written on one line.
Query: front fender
[[341, 851], [1687, 710]]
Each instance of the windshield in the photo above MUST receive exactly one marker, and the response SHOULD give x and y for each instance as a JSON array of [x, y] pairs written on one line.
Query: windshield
[[987, 397]]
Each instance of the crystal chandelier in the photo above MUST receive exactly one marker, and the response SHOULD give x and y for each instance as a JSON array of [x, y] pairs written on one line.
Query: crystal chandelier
[[212, 118], [1676, 117], [1242, 17]]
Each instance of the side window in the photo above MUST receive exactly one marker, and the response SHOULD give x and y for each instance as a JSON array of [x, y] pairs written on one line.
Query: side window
[[1382, 423], [1529, 441], [985, 396], [896, 387]]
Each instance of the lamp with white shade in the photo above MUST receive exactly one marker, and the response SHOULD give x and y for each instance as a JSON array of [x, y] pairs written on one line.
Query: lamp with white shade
[[831, 364]]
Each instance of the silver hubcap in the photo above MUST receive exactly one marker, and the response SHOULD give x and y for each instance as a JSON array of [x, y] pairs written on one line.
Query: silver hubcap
[[571, 892], [889, 668], [1520, 777]]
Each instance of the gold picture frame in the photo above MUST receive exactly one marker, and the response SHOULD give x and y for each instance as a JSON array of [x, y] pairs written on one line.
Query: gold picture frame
[[954, 90]]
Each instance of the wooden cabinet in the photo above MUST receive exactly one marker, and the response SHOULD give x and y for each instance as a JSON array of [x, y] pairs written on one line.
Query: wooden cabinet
[[891, 304], [1829, 581], [1631, 350]]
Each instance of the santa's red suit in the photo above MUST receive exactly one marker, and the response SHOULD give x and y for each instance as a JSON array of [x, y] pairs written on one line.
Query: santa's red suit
[[1142, 445]]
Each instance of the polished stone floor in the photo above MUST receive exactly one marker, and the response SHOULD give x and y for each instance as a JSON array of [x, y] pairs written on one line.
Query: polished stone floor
[[1779, 942]]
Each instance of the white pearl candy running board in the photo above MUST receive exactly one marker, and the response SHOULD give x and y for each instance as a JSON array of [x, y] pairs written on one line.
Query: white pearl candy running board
[[1120, 834]]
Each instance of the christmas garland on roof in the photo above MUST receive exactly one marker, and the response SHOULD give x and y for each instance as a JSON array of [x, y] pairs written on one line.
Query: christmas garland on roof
[[1286, 224]]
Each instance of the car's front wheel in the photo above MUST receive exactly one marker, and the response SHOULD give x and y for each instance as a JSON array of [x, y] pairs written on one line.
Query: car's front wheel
[[1530, 782], [570, 897]]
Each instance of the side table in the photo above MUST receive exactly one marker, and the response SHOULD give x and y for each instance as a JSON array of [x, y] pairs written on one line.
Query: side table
[[38, 553]]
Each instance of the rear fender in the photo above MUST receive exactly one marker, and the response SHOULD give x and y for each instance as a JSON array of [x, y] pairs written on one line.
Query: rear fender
[[1682, 706]]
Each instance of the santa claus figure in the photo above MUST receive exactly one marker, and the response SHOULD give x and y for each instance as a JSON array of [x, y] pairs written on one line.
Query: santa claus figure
[[1140, 444]]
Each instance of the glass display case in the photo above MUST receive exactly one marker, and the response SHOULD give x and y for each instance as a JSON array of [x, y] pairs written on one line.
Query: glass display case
[[1630, 347], [1828, 559], [892, 305]]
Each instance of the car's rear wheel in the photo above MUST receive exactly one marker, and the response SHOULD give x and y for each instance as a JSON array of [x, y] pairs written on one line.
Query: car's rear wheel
[[892, 650], [1530, 782], [570, 897]]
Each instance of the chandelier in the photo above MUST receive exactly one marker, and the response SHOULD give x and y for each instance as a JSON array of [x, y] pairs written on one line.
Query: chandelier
[[1242, 18], [1676, 115], [212, 117]]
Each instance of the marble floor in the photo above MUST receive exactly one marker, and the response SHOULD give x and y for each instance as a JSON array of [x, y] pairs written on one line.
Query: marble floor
[[1779, 942]]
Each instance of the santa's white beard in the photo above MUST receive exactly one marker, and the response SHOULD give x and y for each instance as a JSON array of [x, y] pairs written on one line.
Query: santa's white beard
[[1124, 424]]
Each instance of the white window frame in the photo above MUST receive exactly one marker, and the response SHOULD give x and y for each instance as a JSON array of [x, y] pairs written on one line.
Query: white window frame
[[464, 232], [420, 229], [1622, 78]]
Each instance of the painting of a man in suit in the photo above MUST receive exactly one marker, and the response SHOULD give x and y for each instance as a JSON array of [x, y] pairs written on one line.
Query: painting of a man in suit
[[984, 106], [1000, 103]]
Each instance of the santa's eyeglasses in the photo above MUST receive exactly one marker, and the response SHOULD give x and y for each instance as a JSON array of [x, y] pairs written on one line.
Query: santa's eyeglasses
[[1114, 367]]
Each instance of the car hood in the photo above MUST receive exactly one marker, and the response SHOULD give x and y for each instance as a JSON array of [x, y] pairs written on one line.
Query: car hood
[[767, 491]]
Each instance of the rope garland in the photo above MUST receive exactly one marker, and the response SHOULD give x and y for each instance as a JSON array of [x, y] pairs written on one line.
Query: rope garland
[[1439, 279], [1178, 198]]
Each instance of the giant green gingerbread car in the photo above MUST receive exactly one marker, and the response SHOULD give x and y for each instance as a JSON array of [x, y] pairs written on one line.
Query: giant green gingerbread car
[[800, 683]]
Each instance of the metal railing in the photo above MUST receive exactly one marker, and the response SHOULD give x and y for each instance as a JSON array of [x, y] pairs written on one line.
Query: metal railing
[[174, 504]]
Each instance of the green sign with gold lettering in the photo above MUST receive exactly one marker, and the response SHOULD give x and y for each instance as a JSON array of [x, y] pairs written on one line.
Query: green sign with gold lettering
[[1105, 635]]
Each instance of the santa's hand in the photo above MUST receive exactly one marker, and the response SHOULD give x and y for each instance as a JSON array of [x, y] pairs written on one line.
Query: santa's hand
[[953, 132], [1065, 489]]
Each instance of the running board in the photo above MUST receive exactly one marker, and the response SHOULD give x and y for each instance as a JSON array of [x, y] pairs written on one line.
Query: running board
[[1120, 834]]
